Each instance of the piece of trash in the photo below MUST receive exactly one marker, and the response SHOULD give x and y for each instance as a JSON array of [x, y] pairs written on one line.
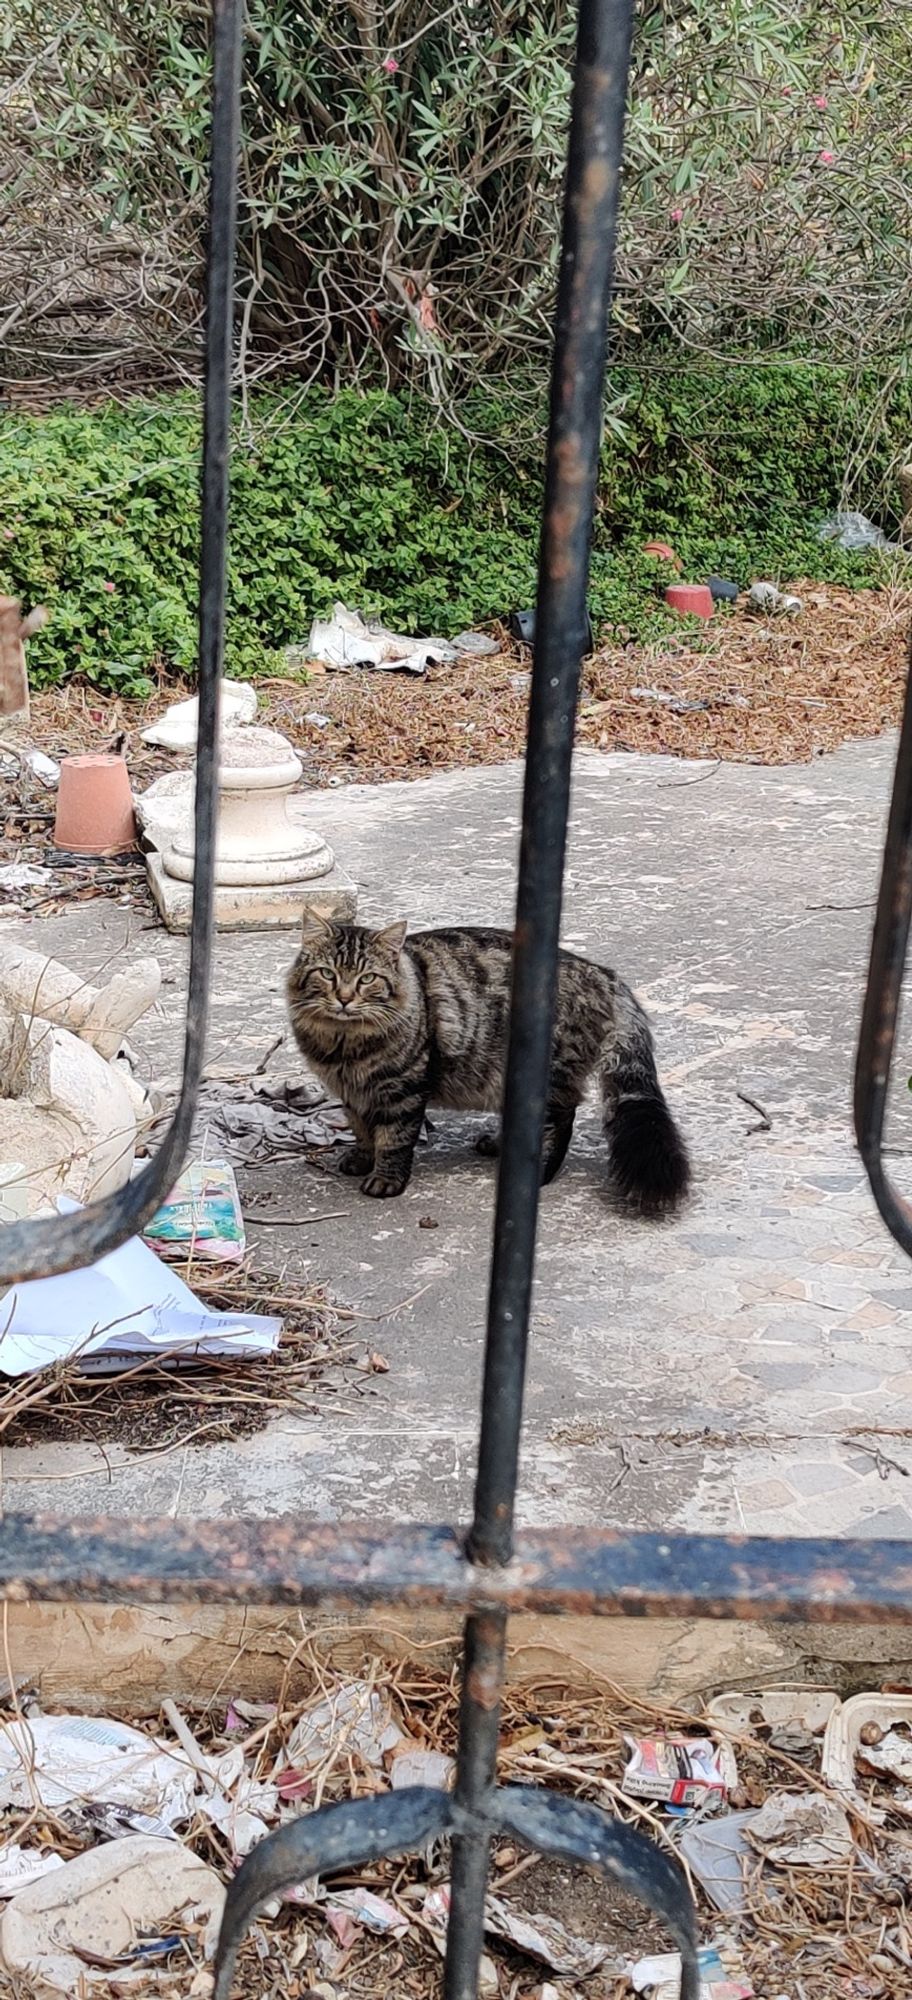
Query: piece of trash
[[521, 626], [177, 728], [801, 1829], [356, 1719], [892, 1755], [249, 1127], [236, 1802], [791, 1719], [722, 589], [547, 1939], [201, 1217], [319, 721], [869, 1728], [682, 1770], [94, 1910], [21, 875], [675, 702], [775, 603], [852, 531], [372, 1912], [72, 1760], [541, 1937], [129, 1304], [349, 640], [720, 1965], [45, 768], [412, 1766], [716, 1851], [475, 645], [21, 1865]]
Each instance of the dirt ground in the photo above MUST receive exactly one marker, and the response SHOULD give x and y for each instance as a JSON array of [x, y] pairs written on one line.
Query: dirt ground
[[744, 688]]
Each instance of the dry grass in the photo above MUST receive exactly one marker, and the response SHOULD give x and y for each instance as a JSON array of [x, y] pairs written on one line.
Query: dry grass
[[839, 1934], [151, 1409], [768, 691]]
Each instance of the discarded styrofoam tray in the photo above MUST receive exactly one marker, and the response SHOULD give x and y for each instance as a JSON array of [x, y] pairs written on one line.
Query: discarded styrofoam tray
[[773, 1708], [886, 1720]]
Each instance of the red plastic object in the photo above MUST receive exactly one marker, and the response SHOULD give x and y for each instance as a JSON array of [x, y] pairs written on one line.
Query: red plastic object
[[693, 598], [663, 550], [94, 805]]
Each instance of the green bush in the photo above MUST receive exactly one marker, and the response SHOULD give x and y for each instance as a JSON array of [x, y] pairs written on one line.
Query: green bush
[[366, 499]]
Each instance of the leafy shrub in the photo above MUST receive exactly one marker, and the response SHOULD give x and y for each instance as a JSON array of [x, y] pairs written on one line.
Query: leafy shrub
[[402, 175], [367, 499]]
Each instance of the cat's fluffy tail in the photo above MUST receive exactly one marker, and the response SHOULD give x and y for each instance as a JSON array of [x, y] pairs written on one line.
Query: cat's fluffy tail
[[649, 1161]]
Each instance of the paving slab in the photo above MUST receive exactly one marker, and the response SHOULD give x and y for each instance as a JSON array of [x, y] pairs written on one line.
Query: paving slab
[[748, 1367]]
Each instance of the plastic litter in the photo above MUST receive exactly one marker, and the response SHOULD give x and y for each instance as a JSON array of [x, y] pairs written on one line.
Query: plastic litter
[[852, 531], [721, 1969], [348, 639], [249, 1124], [541, 1937], [21, 875], [717, 1852], [177, 728], [802, 1829], [201, 1218], [127, 1305], [359, 1720], [373, 1913], [682, 1770], [422, 1767], [874, 1730], [21, 1865], [95, 1911], [773, 602], [74, 1760]]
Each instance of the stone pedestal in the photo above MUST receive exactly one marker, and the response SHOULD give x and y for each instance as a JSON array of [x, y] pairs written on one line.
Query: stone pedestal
[[267, 866]]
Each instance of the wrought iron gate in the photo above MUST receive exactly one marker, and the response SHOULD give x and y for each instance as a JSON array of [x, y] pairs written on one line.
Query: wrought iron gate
[[490, 1571]]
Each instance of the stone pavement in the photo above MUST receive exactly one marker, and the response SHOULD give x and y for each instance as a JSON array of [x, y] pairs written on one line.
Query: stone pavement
[[748, 1367]]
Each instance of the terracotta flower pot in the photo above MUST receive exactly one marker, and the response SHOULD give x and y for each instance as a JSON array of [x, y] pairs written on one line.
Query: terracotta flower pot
[[664, 552], [695, 598], [94, 806]]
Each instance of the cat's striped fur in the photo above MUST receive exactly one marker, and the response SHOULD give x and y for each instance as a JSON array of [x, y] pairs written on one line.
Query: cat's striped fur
[[394, 1023]]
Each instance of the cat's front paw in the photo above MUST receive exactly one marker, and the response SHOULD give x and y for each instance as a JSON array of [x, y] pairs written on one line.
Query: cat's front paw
[[356, 1161], [381, 1186]]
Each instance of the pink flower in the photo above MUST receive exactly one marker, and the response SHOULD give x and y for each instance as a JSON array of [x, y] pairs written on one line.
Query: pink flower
[[821, 103], [111, 587], [390, 65], [786, 90], [677, 215], [825, 157]]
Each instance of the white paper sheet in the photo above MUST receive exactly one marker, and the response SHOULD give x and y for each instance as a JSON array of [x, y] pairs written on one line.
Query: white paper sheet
[[129, 1305]]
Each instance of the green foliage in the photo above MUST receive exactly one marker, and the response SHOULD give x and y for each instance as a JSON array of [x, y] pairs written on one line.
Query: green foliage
[[401, 184], [367, 499]]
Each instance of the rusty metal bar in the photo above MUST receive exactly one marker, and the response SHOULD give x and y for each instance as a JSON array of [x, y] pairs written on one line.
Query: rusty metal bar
[[590, 1572], [51, 1245], [352, 1834], [882, 994]]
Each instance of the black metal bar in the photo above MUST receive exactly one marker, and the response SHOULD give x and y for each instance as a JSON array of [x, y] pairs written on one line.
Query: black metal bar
[[483, 1661], [587, 269], [354, 1833], [588, 1572], [882, 993], [43, 1247]]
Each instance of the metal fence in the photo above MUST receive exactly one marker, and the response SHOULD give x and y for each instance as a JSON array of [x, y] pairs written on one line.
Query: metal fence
[[490, 1571]]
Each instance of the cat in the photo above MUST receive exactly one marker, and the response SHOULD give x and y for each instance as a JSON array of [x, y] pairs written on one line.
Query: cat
[[393, 1022]]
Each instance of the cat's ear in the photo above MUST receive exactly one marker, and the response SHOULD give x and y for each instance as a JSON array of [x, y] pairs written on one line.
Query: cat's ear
[[314, 928], [392, 939]]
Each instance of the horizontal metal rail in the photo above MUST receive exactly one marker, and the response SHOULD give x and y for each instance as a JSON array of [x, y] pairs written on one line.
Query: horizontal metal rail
[[590, 1572]]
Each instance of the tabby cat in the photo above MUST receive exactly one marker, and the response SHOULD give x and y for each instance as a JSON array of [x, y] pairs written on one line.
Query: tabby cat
[[393, 1023]]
